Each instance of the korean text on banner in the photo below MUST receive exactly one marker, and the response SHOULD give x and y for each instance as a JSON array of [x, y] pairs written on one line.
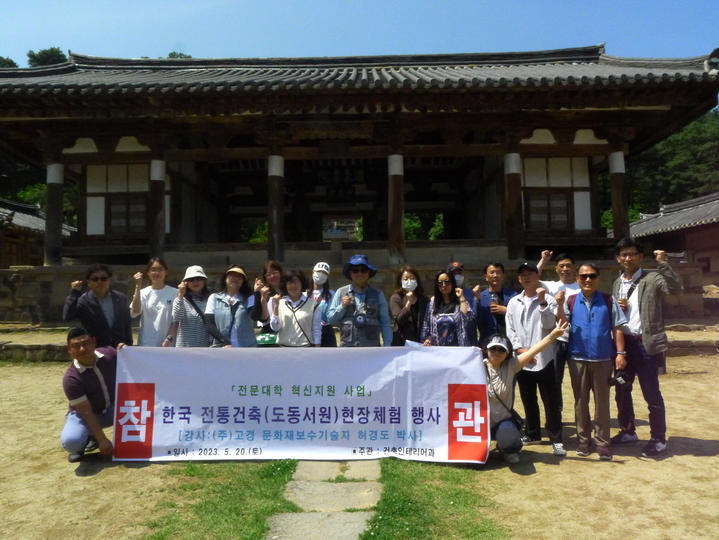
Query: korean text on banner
[[425, 404]]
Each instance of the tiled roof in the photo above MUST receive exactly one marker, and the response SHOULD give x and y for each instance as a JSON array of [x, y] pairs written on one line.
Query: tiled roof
[[672, 217], [579, 67], [28, 217]]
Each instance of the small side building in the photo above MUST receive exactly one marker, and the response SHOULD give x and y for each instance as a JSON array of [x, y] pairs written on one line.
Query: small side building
[[690, 226]]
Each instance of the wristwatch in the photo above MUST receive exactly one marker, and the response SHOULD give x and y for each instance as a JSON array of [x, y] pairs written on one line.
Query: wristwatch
[[170, 339]]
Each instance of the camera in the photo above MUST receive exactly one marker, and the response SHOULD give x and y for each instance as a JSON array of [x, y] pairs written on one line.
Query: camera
[[620, 378]]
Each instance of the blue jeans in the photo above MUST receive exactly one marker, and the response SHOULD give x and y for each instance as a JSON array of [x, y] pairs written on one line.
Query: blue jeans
[[645, 366], [75, 434], [508, 437]]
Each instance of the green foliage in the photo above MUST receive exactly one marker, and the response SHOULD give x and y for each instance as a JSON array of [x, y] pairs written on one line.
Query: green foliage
[[607, 217], [46, 57], [682, 167], [412, 227], [437, 230], [359, 230], [423, 501], [7, 62], [174, 54], [260, 235], [224, 500], [37, 194]]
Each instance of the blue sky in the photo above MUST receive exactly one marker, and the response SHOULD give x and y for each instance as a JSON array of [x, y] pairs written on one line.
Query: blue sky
[[243, 29]]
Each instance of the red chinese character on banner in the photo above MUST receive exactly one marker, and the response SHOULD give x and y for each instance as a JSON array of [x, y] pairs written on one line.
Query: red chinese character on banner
[[134, 420], [468, 425]]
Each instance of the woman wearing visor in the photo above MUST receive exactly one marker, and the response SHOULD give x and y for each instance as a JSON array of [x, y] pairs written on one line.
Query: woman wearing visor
[[502, 365]]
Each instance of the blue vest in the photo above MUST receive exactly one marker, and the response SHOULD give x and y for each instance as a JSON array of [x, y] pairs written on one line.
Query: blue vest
[[591, 335], [360, 326], [242, 326]]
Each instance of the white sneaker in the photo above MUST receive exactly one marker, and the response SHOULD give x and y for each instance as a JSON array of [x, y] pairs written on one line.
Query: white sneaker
[[558, 449], [511, 458]]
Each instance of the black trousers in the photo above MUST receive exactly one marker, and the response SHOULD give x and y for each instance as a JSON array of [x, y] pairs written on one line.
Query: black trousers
[[545, 380]]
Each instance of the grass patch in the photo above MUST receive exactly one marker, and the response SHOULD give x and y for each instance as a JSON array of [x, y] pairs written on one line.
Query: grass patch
[[342, 479], [430, 501], [224, 500]]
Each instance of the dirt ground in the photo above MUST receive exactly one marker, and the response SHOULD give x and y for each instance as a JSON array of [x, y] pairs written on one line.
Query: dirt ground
[[677, 497]]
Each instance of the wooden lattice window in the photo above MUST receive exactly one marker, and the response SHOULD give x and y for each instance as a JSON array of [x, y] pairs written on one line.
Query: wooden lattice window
[[548, 210], [127, 214]]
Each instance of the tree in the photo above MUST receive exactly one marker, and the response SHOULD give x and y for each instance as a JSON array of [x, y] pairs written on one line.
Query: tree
[[681, 167], [174, 54], [46, 57], [412, 227], [437, 230], [7, 62], [37, 194]]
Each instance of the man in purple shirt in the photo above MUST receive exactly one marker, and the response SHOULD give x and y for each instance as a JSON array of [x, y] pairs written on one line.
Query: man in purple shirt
[[89, 384]]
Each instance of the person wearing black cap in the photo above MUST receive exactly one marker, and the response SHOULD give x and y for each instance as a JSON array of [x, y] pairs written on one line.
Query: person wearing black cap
[[360, 309], [502, 365], [531, 316], [456, 268]]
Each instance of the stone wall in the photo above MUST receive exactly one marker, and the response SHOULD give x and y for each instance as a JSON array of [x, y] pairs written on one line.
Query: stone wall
[[38, 294]]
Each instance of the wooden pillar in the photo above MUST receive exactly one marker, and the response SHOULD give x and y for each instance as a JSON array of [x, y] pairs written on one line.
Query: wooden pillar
[[395, 210], [53, 214], [156, 208], [514, 223], [276, 208], [620, 208]]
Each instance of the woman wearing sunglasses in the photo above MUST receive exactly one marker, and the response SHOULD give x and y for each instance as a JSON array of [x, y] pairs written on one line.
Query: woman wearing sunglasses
[[227, 314], [154, 303], [502, 365], [447, 315], [188, 311]]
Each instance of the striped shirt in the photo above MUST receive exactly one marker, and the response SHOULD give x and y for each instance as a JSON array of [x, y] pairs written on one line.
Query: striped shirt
[[191, 331]]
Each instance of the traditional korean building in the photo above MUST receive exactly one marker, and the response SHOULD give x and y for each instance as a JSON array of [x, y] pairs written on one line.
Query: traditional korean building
[[187, 155], [691, 227]]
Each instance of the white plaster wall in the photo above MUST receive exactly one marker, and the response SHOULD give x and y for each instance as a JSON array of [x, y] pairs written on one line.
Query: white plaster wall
[[95, 215], [582, 211]]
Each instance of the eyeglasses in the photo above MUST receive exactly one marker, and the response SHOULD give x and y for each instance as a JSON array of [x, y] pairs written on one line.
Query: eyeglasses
[[272, 273], [359, 270], [496, 349], [95, 279], [628, 255], [444, 283], [190, 280], [588, 276]]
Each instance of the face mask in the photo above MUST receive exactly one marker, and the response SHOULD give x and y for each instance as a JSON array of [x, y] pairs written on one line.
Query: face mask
[[409, 285], [459, 279], [319, 277]]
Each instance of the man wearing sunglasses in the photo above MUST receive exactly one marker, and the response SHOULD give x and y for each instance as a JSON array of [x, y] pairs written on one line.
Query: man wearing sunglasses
[[103, 312], [596, 347], [640, 293], [360, 309]]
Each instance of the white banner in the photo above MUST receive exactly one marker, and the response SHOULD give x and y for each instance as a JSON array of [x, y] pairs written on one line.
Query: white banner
[[425, 404]]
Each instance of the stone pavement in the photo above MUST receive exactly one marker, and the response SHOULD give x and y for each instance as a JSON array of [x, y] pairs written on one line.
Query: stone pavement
[[325, 503]]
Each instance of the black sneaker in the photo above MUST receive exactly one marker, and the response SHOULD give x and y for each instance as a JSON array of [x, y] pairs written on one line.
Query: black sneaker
[[74, 457], [654, 448], [624, 437]]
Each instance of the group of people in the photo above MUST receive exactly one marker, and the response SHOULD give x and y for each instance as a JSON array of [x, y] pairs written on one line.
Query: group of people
[[527, 337]]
